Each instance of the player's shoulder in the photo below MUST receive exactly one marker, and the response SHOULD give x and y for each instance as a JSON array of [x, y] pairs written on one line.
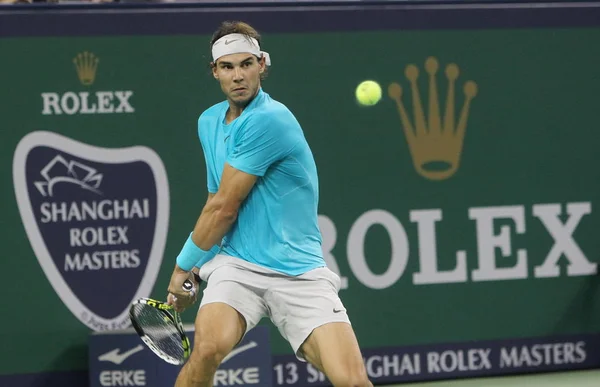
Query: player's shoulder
[[271, 111], [207, 121], [213, 112]]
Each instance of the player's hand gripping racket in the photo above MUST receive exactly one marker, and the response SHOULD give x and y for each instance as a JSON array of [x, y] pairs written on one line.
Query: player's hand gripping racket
[[160, 328]]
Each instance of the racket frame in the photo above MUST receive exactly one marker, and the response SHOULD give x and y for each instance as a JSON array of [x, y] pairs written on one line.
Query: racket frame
[[170, 314]]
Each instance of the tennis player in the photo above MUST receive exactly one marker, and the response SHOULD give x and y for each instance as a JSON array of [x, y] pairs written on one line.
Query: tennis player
[[257, 241]]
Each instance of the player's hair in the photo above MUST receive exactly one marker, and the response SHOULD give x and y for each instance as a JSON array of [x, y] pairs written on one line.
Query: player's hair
[[236, 27]]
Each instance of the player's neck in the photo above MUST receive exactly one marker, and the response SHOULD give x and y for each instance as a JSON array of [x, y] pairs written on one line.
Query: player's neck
[[235, 110]]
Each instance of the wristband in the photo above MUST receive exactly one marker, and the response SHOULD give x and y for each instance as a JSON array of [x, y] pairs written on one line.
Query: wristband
[[192, 255], [210, 254]]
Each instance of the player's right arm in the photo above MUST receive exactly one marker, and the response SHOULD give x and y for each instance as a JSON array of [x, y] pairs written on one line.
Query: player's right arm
[[196, 269], [180, 275], [211, 195]]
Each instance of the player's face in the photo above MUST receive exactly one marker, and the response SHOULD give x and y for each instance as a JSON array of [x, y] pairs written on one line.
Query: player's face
[[239, 76]]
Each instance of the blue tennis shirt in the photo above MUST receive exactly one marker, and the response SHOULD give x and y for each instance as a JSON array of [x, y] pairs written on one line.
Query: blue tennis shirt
[[277, 225]]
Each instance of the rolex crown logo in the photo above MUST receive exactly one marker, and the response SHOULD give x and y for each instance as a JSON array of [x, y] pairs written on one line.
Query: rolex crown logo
[[86, 64], [435, 142]]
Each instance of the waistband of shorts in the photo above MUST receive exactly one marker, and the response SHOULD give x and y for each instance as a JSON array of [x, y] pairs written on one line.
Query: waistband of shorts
[[227, 260]]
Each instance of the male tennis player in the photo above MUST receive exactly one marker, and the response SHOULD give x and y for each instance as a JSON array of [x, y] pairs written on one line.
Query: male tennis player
[[257, 241]]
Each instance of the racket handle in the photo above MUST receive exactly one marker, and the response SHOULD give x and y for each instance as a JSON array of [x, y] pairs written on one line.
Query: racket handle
[[188, 286]]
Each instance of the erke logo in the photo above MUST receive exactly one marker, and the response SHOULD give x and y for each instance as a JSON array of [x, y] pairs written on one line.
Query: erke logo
[[116, 357], [238, 376], [121, 377], [436, 142], [100, 102], [95, 217]]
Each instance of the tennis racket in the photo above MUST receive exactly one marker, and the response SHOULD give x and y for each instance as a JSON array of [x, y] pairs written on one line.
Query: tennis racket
[[160, 327]]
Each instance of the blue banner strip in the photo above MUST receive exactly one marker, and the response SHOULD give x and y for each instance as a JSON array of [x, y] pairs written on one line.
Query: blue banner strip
[[458, 360], [410, 363]]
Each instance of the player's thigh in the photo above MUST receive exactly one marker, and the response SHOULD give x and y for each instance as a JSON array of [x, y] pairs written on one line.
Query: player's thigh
[[333, 348], [218, 328], [229, 308], [300, 304]]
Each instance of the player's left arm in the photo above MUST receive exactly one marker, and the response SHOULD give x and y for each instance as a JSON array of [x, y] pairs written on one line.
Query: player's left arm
[[265, 140], [220, 212]]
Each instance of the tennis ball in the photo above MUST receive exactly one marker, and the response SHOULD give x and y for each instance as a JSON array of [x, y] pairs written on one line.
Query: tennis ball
[[368, 93]]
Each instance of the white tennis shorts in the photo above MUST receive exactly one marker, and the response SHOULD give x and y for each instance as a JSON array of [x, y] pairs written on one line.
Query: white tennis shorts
[[295, 305]]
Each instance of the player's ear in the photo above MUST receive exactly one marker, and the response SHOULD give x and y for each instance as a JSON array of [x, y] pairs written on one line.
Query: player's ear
[[213, 67], [262, 65]]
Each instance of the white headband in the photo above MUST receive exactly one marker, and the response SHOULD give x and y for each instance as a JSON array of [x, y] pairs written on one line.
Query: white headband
[[238, 43]]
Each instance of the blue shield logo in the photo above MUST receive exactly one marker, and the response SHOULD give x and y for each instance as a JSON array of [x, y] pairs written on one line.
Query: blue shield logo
[[96, 219]]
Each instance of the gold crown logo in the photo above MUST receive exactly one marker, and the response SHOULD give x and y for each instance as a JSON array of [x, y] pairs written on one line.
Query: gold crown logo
[[436, 143], [86, 64]]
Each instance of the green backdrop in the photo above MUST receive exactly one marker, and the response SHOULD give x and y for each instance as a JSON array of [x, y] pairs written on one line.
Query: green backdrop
[[531, 139]]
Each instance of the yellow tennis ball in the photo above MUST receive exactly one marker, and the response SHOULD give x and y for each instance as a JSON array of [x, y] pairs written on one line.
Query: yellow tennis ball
[[368, 93]]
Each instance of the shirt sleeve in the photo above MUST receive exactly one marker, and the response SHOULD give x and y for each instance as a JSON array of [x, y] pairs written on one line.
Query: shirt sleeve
[[263, 141], [210, 178]]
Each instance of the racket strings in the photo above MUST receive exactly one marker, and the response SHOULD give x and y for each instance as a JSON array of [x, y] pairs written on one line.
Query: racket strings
[[160, 329]]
